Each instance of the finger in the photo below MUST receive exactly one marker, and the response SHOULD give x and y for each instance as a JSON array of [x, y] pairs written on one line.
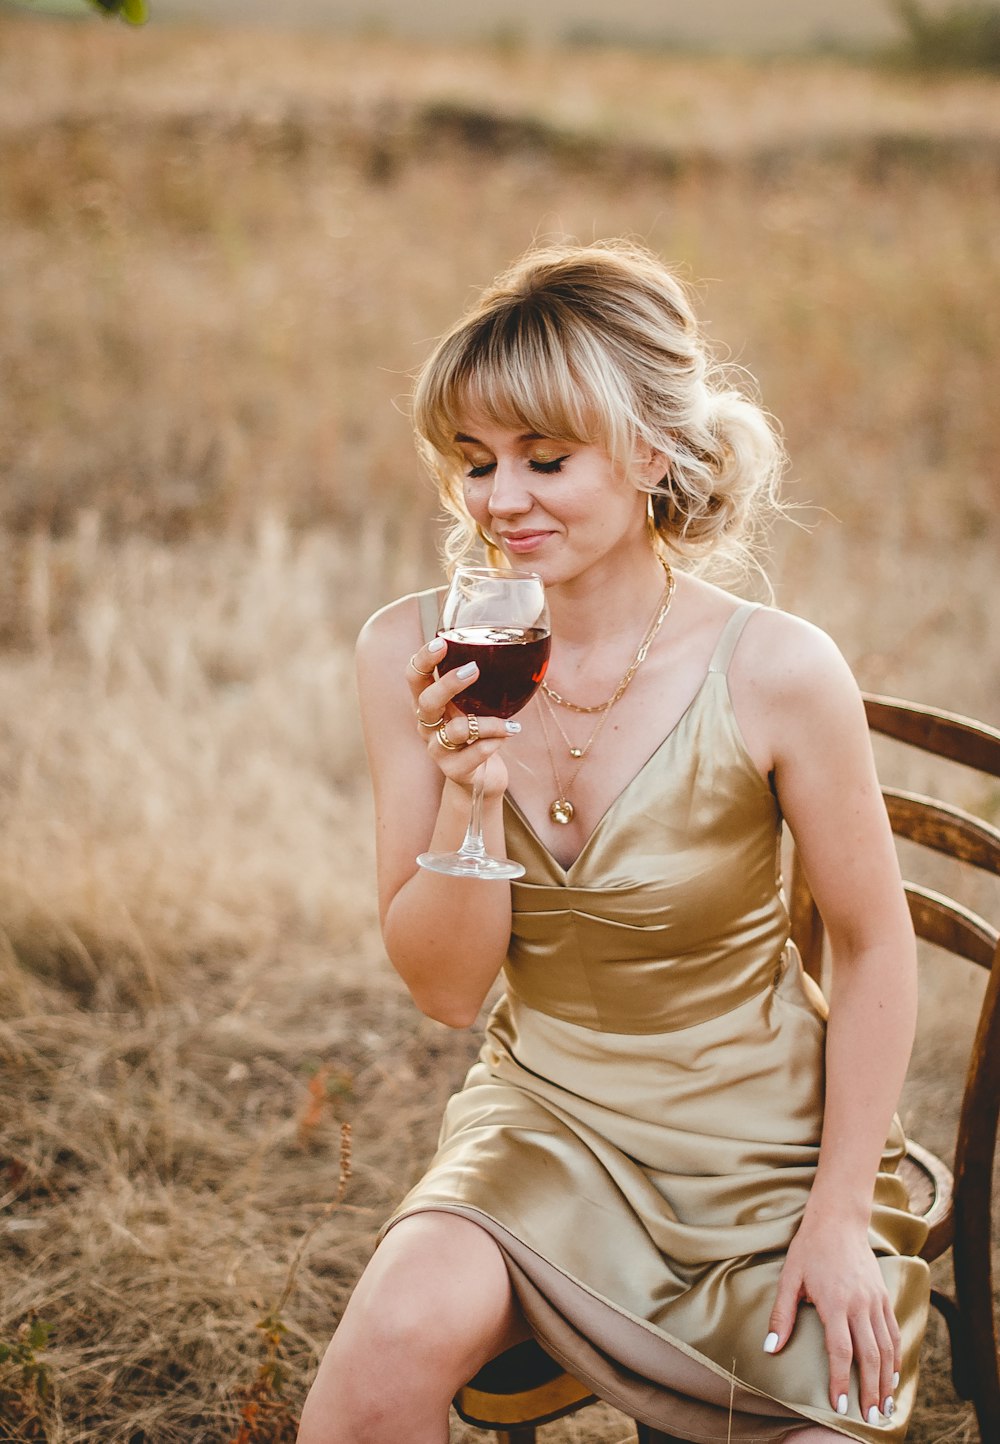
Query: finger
[[897, 1342], [436, 699], [786, 1304], [884, 1337], [868, 1358], [840, 1353], [476, 736], [420, 667]]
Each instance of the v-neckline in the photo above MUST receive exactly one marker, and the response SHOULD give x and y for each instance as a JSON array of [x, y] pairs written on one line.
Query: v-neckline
[[613, 804]]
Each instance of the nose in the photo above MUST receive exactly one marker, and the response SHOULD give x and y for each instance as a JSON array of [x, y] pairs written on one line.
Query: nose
[[509, 495]]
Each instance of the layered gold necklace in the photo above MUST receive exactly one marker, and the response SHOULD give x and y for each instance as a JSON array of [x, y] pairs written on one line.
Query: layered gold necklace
[[561, 810]]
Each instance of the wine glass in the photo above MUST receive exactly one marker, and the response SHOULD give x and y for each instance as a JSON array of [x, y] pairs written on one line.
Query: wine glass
[[499, 619]]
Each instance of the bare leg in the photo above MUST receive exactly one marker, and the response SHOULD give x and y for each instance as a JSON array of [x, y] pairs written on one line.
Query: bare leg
[[432, 1307]]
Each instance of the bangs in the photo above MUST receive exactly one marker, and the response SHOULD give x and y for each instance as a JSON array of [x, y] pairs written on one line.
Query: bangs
[[516, 371]]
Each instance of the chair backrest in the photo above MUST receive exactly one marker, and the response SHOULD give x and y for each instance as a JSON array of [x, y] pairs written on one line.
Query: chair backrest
[[949, 924], [937, 918]]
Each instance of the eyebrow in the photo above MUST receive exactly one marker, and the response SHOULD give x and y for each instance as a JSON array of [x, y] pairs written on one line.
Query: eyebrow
[[460, 436]]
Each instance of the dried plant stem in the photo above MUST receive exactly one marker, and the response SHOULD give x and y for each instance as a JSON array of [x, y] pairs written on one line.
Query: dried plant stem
[[331, 1207]]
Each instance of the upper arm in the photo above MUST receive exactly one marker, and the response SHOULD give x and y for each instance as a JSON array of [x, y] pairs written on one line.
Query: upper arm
[[826, 783], [406, 784]]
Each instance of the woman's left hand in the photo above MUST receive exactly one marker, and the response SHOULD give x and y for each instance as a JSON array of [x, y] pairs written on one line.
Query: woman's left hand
[[831, 1266]]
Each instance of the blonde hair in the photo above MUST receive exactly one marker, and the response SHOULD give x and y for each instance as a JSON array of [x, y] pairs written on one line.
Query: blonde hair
[[600, 344]]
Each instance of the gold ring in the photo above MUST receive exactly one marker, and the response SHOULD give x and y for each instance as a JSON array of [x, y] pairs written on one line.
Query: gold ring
[[446, 741], [431, 726], [473, 736], [419, 670]]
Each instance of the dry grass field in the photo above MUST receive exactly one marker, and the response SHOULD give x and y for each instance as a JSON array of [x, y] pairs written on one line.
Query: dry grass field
[[221, 255]]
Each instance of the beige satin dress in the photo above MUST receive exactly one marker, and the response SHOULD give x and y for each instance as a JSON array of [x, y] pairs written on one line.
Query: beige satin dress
[[642, 1128]]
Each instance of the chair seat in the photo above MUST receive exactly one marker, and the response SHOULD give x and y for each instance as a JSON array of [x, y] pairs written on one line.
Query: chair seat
[[522, 1386]]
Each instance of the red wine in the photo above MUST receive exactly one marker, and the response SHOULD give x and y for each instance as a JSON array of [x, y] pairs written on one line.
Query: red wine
[[511, 662]]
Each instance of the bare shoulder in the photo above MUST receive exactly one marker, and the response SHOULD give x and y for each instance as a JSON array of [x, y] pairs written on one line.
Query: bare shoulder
[[790, 659], [395, 631], [792, 689]]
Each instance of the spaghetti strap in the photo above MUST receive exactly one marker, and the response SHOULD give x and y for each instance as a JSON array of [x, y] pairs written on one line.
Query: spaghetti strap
[[430, 611], [731, 633]]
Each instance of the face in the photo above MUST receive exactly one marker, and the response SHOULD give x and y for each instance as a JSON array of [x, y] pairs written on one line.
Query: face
[[555, 507]]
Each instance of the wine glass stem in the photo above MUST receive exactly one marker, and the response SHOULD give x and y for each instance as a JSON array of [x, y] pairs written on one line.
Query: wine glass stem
[[473, 846]]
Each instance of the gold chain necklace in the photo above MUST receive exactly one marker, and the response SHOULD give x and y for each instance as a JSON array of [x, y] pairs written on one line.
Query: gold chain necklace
[[636, 662], [561, 810], [571, 748]]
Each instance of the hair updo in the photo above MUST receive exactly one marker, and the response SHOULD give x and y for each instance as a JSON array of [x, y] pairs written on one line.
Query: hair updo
[[600, 345]]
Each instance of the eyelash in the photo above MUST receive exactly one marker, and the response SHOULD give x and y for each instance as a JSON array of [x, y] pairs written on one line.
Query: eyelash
[[543, 468]]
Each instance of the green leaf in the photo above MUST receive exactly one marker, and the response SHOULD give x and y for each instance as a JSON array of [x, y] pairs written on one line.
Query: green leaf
[[134, 11], [38, 1334]]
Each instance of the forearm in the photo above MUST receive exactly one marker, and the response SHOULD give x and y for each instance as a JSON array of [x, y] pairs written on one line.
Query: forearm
[[870, 1034], [447, 937]]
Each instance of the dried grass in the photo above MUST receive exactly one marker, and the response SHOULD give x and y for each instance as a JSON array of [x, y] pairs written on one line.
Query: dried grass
[[220, 256]]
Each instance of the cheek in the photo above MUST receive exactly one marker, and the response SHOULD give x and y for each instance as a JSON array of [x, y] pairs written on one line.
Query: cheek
[[477, 502]]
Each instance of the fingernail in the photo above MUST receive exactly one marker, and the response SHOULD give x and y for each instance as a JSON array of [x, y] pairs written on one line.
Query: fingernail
[[874, 1417], [895, 1380], [469, 670], [889, 1407], [437, 645], [512, 726], [770, 1343], [842, 1404]]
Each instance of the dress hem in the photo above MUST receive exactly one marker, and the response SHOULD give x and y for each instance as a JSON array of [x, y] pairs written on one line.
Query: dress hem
[[611, 1379]]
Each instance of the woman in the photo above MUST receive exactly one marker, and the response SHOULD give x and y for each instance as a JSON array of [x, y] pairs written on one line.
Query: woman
[[665, 1165]]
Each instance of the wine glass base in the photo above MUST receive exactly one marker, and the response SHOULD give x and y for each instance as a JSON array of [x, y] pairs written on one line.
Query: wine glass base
[[460, 864]]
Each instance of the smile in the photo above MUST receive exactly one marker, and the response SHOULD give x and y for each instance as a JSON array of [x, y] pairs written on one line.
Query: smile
[[523, 541]]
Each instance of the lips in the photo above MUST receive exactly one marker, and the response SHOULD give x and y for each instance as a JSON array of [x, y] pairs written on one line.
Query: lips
[[523, 541]]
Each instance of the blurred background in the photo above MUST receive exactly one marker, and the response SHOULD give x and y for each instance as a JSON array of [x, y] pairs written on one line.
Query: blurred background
[[224, 248]]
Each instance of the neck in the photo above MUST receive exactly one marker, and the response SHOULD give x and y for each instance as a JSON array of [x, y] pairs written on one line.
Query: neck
[[607, 603], [606, 625]]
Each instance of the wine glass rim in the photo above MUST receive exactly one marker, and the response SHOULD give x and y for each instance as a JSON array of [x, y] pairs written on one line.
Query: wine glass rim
[[516, 573]]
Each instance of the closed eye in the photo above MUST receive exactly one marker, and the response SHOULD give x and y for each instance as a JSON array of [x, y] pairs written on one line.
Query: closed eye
[[543, 468]]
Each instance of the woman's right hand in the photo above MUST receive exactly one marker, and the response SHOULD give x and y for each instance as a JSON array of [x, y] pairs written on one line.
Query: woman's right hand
[[433, 699]]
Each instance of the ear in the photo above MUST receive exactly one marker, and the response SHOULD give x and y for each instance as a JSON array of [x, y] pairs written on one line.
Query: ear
[[649, 466]]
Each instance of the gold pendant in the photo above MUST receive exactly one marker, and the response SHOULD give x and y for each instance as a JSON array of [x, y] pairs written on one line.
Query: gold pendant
[[576, 751], [562, 810]]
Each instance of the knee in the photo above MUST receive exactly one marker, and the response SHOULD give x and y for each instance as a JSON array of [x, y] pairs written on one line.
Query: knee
[[383, 1366], [413, 1332], [398, 1328]]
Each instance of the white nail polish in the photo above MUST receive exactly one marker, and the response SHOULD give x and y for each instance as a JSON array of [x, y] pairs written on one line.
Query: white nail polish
[[437, 645], [771, 1343], [895, 1380], [512, 726], [874, 1417], [889, 1407], [464, 673], [842, 1404]]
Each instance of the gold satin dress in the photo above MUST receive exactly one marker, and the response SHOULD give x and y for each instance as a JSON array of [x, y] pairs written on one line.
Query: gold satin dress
[[642, 1128]]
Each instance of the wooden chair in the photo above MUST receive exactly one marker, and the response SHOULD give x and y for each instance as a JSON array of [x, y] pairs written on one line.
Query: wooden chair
[[524, 1388]]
